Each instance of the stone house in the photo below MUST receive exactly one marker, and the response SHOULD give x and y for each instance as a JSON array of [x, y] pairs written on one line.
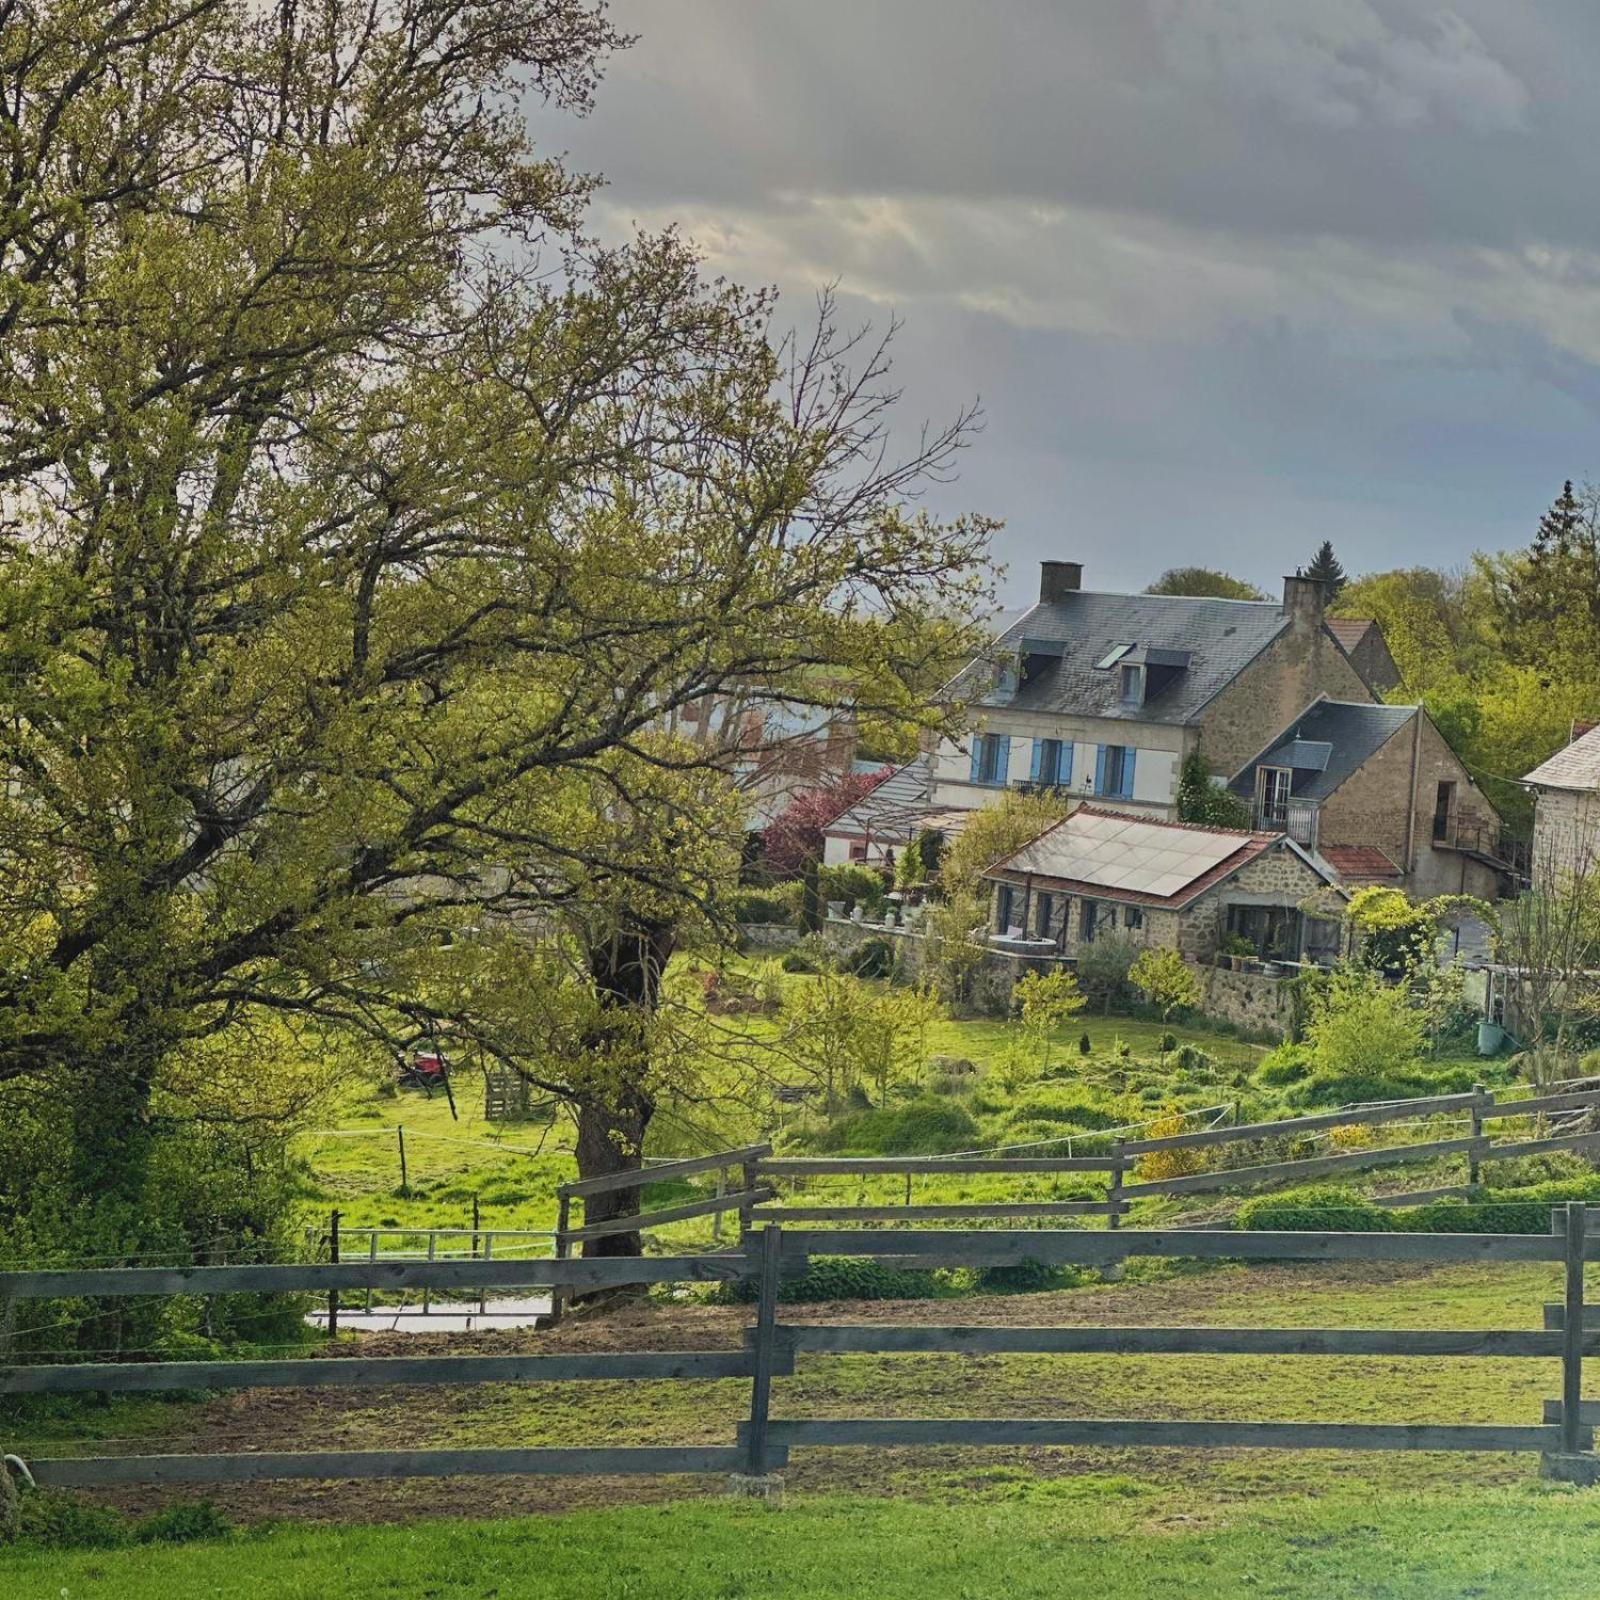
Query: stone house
[[1566, 811], [1377, 793], [1105, 874], [1103, 696]]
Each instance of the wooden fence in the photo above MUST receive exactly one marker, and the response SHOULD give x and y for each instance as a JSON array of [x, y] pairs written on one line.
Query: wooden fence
[[1120, 1164], [771, 1348]]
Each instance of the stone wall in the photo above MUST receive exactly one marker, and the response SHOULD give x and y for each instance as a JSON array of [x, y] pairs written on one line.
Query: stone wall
[[768, 935], [1249, 1000], [1274, 689], [1372, 804]]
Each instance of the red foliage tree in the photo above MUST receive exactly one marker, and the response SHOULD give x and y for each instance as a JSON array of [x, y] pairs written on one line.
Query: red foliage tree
[[795, 835]]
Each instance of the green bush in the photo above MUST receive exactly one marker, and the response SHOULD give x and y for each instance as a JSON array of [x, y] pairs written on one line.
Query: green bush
[[761, 906], [1021, 1277], [841, 1278], [1289, 1063], [924, 1126], [810, 954], [872, 958], [1103, 969], [56, 1521], [183, 1524], [1191, 1058], [1321, 1208], [855, 885]]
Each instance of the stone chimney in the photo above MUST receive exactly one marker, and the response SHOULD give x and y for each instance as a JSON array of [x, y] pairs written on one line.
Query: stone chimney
[[1304, 597], [1059, 578]]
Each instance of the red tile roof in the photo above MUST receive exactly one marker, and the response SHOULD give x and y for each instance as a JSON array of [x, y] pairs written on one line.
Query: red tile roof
[[1361, 863]]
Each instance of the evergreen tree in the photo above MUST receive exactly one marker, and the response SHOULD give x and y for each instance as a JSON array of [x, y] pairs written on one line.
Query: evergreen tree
[[1550, 603], [1327, 566]]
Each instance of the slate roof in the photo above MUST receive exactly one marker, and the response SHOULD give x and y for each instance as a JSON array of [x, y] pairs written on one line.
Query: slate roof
[[1576, 767], [1113, 856], [1352, 732], [1219, 638]]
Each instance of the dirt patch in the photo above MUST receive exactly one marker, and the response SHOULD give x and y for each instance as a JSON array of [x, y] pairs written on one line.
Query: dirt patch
[[1192, 1484]]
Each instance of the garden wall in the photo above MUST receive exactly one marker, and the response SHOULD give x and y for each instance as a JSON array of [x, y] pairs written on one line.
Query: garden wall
[[767, 935], [1249, 1000]]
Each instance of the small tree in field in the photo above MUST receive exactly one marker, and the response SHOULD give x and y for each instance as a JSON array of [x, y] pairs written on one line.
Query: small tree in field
[[1164, 979], [1047, 1000]]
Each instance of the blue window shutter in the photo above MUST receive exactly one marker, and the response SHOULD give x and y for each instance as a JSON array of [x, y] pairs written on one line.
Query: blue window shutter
[[1004, 763], [977, 758], [1038, 759], [1099, 769], [1064, 766], [1127, 772]]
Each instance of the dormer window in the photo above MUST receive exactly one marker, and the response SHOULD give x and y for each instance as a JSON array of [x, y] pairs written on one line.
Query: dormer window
[[1132, 686]]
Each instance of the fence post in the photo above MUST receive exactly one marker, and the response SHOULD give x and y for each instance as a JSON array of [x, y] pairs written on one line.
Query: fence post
[[766, 1340], [1572, 1339], [1481, 1099], [749, 1173], [427, 1288], [483, 1292], [333, 1258], [563, 1249], [372, 1259], [1572, 1463], [405, 1177]]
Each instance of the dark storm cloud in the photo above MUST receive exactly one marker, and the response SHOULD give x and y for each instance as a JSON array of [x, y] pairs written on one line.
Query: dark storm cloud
[[1230, 275]]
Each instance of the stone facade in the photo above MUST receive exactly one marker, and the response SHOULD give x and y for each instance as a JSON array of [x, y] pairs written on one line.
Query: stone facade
[[1278, 877], [1250, 1001], [1566, 833], [768, 935], [1390, 802], [1303, 662]]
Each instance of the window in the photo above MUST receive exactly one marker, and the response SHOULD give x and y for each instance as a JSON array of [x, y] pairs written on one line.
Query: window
[[1444, 805], [1042, 919], [990, 755], [1112, 657], [1132, 685], [1272, 931], [1002, 907], [1276, 783], [1133, 916], [858, 849], [1052, 762], [1113, 776], [1089, 921]]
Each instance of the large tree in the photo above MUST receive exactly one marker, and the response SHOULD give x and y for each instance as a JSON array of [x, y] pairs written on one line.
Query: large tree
[[1327, 569], [366, 528], [1204, 581]]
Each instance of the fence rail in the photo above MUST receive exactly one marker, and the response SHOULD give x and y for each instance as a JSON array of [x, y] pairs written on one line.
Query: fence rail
[[771, 1348]]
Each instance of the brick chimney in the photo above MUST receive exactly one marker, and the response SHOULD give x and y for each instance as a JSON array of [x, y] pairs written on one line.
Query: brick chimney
[[1304, 597], [1059, 578]]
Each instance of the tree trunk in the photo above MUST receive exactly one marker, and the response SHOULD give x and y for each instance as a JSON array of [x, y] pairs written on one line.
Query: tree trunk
[[111, 1118], [627, 967]]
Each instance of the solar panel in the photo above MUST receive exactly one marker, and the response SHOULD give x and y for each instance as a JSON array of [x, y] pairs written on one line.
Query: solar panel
[[1112, 657], [1125, 853]]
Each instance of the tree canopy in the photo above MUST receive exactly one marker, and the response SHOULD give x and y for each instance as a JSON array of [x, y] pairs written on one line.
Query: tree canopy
[[1204, 581], [366, 529]]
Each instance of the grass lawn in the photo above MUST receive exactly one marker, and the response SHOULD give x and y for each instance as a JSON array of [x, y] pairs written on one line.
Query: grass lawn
[[1108, 1536]]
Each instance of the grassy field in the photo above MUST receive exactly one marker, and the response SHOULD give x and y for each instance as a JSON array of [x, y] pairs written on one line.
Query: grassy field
[[1105, 1536], [512, 1169]]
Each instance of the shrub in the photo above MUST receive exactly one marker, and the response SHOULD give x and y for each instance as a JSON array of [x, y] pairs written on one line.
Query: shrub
[[1020, 1277], [182, 1524], [761, 906], [810, 954], [872, 958], [1289, 1063], [855, 885], [1167, 1043], [842, 1278], [1322, 1208], [924, 1126], [1191, 1058], [1360, 1027], [1103, 969]]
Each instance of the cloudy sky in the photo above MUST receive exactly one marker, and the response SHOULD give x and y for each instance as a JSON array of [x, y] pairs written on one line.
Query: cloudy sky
[[1229, 276]]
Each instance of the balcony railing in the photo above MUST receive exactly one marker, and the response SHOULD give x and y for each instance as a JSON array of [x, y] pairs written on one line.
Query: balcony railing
[[1297, 818]]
